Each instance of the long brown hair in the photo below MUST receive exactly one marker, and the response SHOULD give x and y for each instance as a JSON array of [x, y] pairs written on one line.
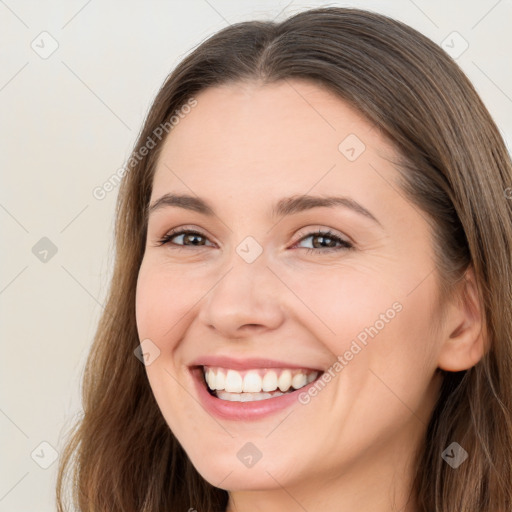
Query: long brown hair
[[454, 166]]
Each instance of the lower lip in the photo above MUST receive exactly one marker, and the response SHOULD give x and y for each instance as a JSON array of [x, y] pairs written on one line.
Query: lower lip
[[243, 410]]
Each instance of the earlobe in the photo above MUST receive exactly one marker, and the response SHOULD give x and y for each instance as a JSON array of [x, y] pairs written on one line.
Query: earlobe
[[465, 329]]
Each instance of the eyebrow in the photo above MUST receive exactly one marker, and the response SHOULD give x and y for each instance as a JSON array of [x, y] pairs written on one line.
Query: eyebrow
[[284, 207]]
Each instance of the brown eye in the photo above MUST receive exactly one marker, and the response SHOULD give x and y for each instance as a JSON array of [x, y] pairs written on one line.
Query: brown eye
[[326, 241], [188, 238]]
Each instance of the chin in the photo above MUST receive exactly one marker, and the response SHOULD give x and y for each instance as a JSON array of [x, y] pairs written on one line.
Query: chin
[[231, 478]]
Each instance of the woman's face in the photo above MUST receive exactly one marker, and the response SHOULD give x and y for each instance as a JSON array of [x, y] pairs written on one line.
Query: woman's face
[[262, 297]]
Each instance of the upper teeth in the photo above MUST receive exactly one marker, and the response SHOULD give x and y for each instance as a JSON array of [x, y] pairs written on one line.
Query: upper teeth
[[255, 381]]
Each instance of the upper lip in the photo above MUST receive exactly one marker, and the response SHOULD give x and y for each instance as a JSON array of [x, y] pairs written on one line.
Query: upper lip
[[246, 364]]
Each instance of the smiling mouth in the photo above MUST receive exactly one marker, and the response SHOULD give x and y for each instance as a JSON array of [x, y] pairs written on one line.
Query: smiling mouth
[[255, 384]]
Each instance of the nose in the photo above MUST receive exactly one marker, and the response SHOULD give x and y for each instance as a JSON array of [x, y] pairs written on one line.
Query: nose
[[245, 301]]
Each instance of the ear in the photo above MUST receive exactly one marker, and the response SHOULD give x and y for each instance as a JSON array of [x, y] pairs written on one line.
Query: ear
[[465, 329]]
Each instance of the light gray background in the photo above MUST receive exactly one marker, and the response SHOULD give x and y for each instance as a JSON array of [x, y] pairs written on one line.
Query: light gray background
[[68, 123]]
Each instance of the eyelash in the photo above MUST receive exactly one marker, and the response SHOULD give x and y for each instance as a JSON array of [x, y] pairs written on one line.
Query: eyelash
[[166, 239]]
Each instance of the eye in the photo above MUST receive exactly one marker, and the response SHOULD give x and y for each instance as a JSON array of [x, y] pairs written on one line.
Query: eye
[[326, 241], [189, 237]]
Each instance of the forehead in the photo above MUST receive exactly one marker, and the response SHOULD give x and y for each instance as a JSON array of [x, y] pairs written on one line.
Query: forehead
[[291, 135]]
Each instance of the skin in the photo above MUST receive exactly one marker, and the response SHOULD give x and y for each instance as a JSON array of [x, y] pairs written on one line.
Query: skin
[[242, 148]]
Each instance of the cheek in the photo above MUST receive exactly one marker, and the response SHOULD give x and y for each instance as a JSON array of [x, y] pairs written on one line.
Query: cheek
[[396, 365], [338, 304], [164, 299], [371, 327]]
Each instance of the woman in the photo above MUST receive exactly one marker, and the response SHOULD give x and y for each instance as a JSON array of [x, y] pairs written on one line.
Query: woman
[[310, 306]]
